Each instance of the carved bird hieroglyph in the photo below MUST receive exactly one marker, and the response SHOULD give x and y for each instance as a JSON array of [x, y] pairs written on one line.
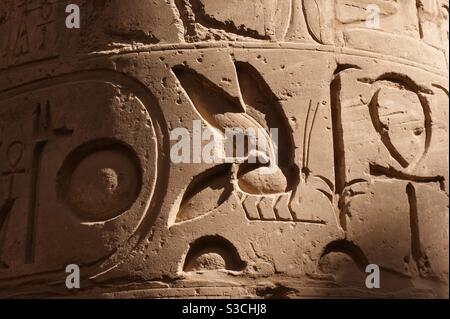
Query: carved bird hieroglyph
[[257, 108]]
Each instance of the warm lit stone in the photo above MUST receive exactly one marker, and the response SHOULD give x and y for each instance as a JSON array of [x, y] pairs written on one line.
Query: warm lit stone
[[359, 102]]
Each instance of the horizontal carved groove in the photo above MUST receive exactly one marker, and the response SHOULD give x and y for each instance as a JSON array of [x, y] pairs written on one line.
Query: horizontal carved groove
[[390, 172]]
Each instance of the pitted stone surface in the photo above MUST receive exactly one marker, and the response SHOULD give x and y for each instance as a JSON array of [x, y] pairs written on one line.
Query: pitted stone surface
[[86, 175]]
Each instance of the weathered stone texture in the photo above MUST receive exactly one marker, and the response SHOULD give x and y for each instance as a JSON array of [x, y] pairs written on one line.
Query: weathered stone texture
[[85, 169]]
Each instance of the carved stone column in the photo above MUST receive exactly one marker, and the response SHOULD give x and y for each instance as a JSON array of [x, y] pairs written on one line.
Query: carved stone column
[[357, 89]]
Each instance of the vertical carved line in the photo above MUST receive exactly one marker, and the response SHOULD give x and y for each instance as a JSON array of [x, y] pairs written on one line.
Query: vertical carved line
[[30, 241], [311, 132], [338, 136], [428, 123], [416, 250], [305, 134]]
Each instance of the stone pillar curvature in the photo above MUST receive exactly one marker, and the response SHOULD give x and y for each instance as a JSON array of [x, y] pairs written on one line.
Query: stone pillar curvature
[[356, 90]]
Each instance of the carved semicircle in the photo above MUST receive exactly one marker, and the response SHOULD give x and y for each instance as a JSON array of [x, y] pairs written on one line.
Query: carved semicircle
[[344, 260], [212, 253]]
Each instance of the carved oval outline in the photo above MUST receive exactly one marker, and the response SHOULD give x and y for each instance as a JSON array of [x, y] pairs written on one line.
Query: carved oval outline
[[147, 98]]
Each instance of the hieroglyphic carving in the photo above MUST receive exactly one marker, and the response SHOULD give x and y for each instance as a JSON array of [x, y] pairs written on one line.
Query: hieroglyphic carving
[[41, 132], [112, 191], [14, 156], [384, 129], [433, 21], [212, 253], [362, 175], [344, 23], [258, 192], [29, 31], [209, 19], [14, 168], [103, 177]]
